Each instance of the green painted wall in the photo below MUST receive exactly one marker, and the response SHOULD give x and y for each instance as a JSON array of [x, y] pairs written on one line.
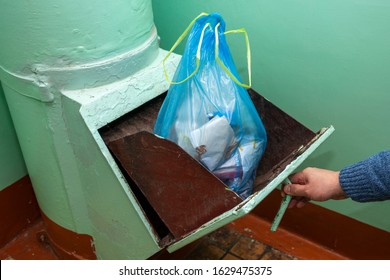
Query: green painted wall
[[12, 166], [322, 62]]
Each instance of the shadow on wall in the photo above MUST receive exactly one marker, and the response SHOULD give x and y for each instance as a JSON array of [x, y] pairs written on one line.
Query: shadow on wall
[[12, 166]]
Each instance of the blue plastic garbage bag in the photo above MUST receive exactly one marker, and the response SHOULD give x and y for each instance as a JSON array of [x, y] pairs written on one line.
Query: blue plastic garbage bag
[[208, 111]]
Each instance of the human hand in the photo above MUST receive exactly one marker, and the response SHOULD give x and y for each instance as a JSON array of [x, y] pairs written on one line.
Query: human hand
[[313, 184]]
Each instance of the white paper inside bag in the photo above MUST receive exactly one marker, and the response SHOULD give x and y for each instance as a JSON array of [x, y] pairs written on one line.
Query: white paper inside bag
[[213, 141]]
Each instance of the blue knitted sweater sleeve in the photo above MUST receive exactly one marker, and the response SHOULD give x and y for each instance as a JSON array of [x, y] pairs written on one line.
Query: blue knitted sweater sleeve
[[368, 180]]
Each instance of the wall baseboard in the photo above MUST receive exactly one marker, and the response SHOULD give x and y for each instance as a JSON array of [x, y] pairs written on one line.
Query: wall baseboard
[[18, 209], [312, 232], [337, 233]]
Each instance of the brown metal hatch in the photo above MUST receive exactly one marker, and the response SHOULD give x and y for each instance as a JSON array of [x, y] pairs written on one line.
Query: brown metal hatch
[[177, 194]]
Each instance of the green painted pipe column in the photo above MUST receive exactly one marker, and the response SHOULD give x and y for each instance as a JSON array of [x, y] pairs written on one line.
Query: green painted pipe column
[[61, 62], [66, 33], [11, 160]]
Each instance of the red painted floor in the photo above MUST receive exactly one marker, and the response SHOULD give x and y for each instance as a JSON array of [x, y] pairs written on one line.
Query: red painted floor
[[247, 238], [29, 244]]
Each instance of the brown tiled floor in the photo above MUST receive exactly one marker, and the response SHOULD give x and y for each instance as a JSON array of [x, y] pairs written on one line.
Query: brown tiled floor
[[250, 238], [228, 244]]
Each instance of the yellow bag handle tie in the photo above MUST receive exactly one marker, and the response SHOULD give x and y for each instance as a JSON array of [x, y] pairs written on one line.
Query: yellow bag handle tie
[[223, 66], [182, 36], [248, 55]]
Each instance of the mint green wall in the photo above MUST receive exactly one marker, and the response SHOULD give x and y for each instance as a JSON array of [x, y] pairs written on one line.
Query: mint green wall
[[12, 166], [322, 62]]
